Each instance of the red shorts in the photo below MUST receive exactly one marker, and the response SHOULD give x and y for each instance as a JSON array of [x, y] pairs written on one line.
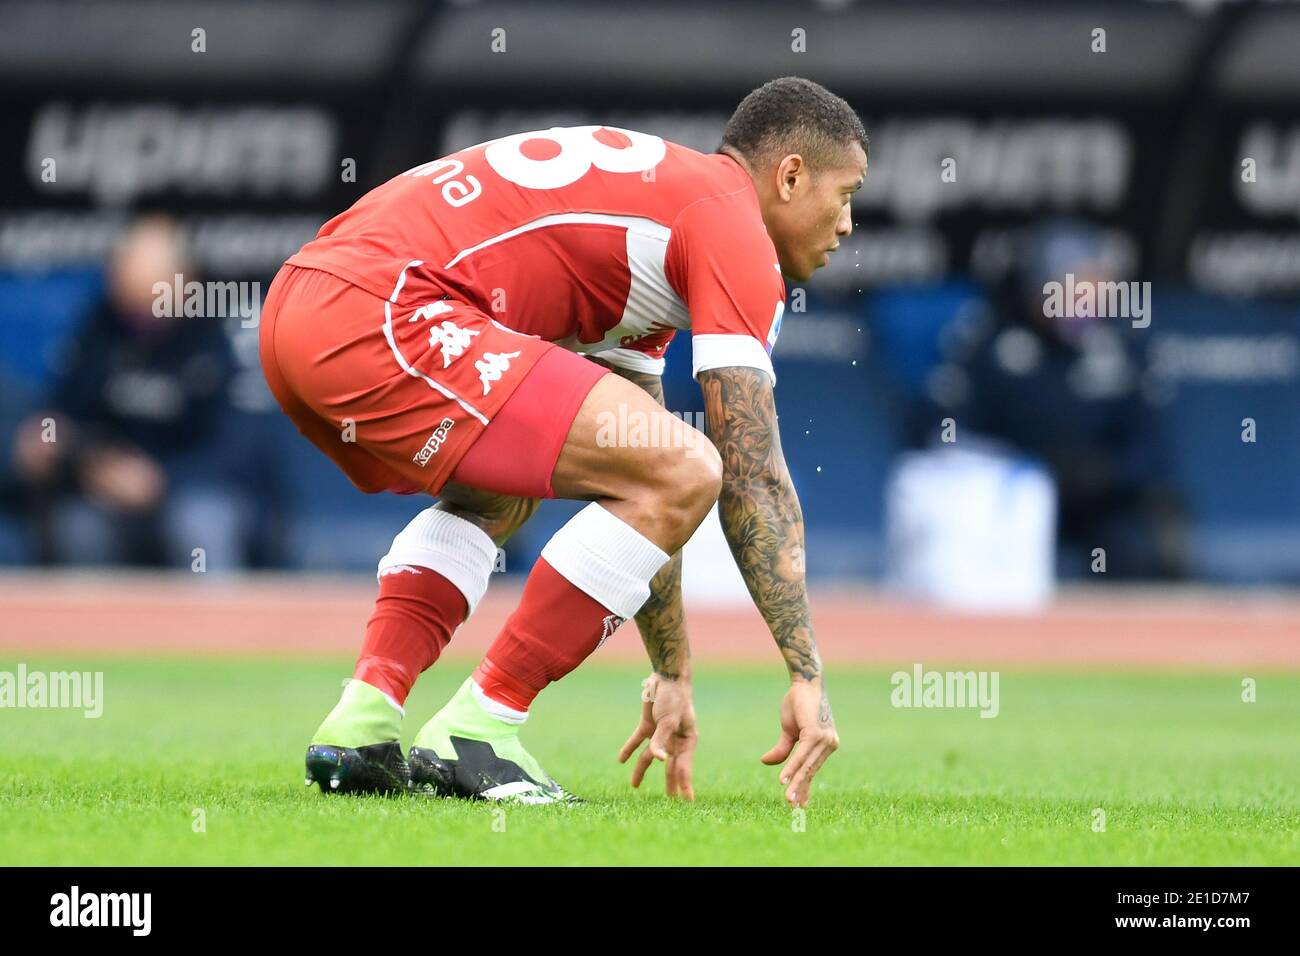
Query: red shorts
[[409, 393]]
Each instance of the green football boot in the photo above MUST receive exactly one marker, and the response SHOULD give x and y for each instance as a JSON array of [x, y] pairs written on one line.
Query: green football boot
[[356, 749], [466, 752]]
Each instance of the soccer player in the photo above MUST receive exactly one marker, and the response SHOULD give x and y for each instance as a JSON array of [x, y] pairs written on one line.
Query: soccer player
[[470, 329]]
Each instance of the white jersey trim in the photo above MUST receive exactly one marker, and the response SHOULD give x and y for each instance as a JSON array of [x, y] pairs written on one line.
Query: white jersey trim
[[652, 303], [631, 359], [710, 351], [640, 224]]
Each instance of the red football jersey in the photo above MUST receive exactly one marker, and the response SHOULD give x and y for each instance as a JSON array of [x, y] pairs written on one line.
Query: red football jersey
[[600, 239]]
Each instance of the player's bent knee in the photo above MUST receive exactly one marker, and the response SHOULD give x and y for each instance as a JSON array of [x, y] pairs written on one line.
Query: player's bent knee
[[499, 516], [705, 480], [685, 486]]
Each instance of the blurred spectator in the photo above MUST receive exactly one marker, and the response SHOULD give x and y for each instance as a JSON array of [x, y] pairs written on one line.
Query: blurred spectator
[[1066, 391], [123, 466]]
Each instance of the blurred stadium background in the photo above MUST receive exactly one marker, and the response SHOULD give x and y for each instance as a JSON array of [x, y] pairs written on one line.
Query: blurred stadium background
[[1173, 157], [142, 138]]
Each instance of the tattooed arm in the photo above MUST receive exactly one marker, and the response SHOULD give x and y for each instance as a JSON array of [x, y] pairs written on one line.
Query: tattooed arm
[[760, 510], [661, 620], [763, 523]]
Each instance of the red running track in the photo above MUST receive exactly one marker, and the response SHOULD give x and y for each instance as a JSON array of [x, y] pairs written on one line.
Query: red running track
[[318, 616]]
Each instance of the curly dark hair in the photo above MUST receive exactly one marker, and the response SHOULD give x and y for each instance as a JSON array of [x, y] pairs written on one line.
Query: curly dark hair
[[794, 115]]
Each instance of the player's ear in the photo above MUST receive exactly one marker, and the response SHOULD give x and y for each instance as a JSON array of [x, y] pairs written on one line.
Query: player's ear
[[788, 171]]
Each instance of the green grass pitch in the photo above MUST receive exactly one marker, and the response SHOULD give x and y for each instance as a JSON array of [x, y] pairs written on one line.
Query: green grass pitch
[[1185, 772]]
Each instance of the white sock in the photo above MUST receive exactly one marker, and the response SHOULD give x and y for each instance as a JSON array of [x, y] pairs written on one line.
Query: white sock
[[606, 558], [495, 708], [453, 547]]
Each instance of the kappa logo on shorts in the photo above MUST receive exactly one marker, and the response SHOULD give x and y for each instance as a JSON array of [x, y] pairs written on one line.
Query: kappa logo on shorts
[[434, 443], [449, 337], [452, 339], [491, 366], [430, 310]]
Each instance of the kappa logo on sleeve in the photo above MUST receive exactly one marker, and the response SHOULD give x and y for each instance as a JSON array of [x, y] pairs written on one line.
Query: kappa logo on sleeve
[[434, 443]]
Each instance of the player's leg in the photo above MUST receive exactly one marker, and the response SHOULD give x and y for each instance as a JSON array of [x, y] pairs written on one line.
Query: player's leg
[[496, 515], [356, 748], [430, 581], [437, 567], [648, 498], [595, 573], [527, 396], [663, 487]]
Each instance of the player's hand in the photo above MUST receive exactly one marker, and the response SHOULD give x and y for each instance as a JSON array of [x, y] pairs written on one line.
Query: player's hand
[[808, 729], [668, 722]]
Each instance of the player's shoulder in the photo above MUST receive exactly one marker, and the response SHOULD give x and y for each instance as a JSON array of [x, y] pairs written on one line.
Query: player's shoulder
[[721, 207], [709, 181]]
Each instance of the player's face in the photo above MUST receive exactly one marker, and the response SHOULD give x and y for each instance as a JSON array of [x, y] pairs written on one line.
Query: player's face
[[811, 214]]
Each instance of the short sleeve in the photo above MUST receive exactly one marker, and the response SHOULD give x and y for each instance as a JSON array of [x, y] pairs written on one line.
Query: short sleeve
[[723, 265], [643, 353]]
